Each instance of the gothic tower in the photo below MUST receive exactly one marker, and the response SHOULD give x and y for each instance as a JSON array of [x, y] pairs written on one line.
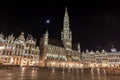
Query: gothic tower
[[43, 48], [66, 36]]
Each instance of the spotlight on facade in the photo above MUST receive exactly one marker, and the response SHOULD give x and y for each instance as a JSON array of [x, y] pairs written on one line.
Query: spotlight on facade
[[91, 65], [81, 65], [104, 65], [53, 63], [11, 61], [2, 47]]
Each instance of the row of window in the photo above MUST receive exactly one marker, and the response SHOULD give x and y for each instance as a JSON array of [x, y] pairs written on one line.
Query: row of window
[[29, 57], [99, 60], [114, 60], [55, 49], [54, 59], [114, 56], [6, 52]]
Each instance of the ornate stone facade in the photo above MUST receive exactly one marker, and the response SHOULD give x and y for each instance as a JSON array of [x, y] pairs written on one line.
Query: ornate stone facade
[[60, 53], [101, 59], [18, 51]]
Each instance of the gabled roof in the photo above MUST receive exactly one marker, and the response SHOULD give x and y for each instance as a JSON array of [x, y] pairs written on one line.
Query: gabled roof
[[55, 42]]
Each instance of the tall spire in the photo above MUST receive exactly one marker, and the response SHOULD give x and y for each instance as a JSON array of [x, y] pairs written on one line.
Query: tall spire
[[66, 20], [46, 38], [66, 34], [66, 17]]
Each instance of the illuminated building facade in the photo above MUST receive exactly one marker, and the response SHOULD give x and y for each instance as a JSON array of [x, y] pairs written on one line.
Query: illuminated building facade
[[101, 59], [60, 53], [53, 52], [18, 51]]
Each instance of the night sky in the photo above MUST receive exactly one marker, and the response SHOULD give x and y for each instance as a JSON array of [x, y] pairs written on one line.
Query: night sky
[[94, 23]]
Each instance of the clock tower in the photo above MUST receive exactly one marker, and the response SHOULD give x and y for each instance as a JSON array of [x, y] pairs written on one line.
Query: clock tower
[[66, 36]]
